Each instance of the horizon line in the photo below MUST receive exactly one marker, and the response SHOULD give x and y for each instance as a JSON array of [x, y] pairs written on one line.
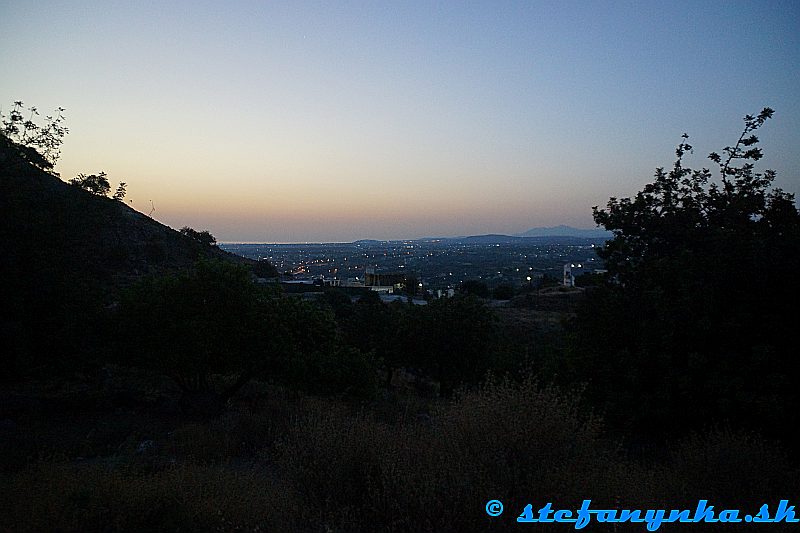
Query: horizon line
[[518, 236]]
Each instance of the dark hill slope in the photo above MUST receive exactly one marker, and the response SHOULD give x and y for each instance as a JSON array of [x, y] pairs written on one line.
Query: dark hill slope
[[55, 229], [64, 256]]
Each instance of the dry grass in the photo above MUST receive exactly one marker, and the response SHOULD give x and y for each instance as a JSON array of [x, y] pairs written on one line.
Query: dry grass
[[186, 498], [282, 463]]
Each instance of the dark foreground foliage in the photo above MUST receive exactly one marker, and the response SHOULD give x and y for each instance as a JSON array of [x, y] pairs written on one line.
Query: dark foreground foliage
[[278, 461], [67, 254], [697, 324], [247, 409], [213, 320]]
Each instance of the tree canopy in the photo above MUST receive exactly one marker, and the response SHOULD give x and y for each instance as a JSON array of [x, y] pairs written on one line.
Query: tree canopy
[[210, 320], [37, 144], [204, 236], [683, 210], [96, 184], [214, 322], [696, 322]]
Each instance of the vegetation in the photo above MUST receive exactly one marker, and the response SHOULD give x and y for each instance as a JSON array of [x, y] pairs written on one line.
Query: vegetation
[[203, 237], [23, 141], [264, 269], [697, 320], [70, 254], [192, 324], [475, 288], [98, 185], [280, 461], [195, 397], [452, 340], [212, 330], [503, 292], [36, 144]]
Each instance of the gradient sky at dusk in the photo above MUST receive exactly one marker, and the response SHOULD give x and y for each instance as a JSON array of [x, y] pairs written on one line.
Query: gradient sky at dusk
[[335, 121]]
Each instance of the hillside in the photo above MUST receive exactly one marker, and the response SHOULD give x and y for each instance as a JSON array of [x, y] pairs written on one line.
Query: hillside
[[54, 229], [65, 254]]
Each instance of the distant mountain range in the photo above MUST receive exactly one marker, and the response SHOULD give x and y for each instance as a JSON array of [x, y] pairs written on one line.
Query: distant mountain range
[[556, 234], [566, 231]]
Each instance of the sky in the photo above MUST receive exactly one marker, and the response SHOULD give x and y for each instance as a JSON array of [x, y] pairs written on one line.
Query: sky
[[335, 121]]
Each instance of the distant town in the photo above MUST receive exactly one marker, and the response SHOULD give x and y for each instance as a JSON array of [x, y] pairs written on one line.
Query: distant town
[[437, 265]]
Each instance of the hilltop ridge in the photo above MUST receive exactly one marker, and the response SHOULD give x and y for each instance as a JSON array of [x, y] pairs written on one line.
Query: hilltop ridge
[[51, 228], [65, 256]]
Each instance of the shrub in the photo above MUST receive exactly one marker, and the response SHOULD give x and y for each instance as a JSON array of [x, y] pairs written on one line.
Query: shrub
[[508, 441], [732, 468], [187, 498]]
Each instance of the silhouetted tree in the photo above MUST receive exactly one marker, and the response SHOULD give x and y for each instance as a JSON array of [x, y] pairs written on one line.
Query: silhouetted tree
[[681, 211], [119, 194], [94, 183], [411, 285], [370, 326], [203, 237], [98, 185], [191, 325], [590, 279], [320, 361], [264, 269], [454, 340], [213, 322], [476, 288], [39, 145], [696, 325]]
